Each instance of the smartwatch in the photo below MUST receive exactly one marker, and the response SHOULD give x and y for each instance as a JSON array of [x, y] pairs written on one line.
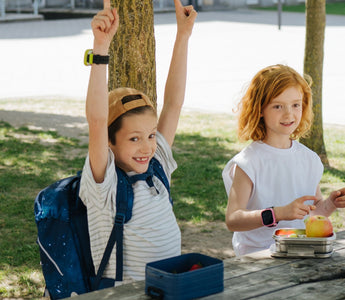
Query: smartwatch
[[90, 58], [268, 218]]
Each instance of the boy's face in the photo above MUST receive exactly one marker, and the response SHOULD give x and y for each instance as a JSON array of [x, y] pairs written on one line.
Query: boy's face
[[136, 142]]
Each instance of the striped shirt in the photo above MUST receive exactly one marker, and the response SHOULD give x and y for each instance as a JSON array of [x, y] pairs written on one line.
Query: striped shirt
[[151, 234]]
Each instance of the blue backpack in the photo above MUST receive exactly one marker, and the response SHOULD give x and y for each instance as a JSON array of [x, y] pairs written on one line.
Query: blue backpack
[[63, 235]]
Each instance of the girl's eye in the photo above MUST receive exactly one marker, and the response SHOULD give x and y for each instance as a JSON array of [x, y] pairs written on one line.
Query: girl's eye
[[297, 105], [277, 106]]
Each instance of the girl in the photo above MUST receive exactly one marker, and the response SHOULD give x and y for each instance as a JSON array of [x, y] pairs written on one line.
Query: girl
[[274, 182], [124, 131]]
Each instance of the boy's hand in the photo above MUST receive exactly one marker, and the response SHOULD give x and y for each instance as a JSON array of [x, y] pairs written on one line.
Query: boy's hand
[[185, 17], [338, 198], [296, 209], [104, 26]]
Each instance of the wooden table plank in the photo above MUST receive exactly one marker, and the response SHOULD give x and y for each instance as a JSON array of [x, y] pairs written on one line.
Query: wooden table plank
[[321, 290], [132, 291], [284, 276], [261, 276]]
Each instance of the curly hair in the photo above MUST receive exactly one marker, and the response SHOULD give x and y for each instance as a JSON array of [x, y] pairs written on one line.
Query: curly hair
[[266, 85]]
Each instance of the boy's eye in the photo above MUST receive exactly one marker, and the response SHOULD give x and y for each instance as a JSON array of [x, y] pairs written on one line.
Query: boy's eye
[[134, 139], [152, 136]]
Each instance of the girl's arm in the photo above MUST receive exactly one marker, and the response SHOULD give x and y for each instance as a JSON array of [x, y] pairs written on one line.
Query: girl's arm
[[176, 81], [238, 218], [104, 26]]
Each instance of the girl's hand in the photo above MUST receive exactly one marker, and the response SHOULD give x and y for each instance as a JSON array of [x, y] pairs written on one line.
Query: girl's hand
[[104, 26], [185, 17], [296, 209]]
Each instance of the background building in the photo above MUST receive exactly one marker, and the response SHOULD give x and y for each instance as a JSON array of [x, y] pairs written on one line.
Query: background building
[[159, 5]]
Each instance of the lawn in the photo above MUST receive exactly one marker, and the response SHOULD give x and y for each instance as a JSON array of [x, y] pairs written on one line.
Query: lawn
[[31, 160], [337, 8]]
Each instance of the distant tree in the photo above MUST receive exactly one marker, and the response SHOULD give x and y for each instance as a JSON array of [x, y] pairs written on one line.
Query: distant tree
[[132, 52], [313, 66]]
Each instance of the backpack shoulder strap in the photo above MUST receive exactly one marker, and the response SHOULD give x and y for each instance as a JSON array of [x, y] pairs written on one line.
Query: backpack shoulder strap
[[124, 205], [158, 171]]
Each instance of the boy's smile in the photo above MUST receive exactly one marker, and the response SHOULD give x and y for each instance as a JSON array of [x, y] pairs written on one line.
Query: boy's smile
[[135, 142]]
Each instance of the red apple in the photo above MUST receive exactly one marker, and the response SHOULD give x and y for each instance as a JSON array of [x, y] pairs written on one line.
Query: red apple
[[318, 226]]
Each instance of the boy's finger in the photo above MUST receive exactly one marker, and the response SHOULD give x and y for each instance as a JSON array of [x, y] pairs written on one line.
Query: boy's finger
[[106, 4], [178, 3]]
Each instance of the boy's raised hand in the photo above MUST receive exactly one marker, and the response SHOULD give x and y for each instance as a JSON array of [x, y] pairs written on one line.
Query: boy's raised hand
[[104, 26], [185, 17]]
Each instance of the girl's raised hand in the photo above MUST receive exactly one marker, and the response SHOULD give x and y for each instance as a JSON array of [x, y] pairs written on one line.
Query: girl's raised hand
[[185, 17], [104, 25]]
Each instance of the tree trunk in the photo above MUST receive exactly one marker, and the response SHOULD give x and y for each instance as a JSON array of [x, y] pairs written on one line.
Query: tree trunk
[[132, 52], [313, 66]]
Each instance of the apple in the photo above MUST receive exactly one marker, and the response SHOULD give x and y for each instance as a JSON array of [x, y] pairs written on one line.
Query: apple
[[318, 226]]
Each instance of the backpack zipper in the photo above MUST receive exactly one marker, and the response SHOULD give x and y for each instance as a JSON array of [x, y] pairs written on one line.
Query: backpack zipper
[[49, 257]]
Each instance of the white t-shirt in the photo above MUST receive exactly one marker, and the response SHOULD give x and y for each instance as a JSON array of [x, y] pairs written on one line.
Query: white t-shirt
[[151, 234], [279, 176]]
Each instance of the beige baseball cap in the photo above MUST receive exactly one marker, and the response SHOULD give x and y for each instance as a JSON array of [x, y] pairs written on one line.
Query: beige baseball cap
[[124, 99]]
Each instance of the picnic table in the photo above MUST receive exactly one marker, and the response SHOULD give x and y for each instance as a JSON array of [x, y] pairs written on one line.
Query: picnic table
[[261, 276]]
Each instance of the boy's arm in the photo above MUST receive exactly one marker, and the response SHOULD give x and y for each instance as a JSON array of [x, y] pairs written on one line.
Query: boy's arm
[[176, 82], [104, 26]]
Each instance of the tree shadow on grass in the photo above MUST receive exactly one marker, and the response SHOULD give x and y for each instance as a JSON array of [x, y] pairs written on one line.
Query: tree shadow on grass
[[65, 125], [30, 160], [197, 185]]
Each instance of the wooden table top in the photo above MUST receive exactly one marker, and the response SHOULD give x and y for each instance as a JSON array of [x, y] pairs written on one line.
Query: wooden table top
[[260, 276]]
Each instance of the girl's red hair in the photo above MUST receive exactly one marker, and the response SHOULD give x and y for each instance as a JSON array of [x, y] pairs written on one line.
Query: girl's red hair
[[266, 85]]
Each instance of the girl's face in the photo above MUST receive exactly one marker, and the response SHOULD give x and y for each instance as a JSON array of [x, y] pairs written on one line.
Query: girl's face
[[135, 142], [282, 116]]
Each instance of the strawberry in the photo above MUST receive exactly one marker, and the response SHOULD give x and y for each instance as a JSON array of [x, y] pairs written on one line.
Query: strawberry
[[196, 266]]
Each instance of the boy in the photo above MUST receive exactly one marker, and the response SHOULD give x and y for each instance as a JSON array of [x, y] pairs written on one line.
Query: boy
[[123, 131]]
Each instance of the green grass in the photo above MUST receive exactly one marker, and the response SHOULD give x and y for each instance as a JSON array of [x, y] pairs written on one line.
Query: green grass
[[30, 160], [331, 8]]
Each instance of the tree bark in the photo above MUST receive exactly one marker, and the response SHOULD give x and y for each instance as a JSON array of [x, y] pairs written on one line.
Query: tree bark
[[132, 51], [313, 66]]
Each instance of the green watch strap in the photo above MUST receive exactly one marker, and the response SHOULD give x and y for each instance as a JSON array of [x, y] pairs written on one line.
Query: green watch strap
[[90, 58]]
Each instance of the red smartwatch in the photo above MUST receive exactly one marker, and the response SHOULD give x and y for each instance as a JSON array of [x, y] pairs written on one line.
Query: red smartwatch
[[268, 218]]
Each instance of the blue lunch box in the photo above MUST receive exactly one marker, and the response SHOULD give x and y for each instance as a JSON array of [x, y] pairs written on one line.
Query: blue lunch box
[[172, 278]]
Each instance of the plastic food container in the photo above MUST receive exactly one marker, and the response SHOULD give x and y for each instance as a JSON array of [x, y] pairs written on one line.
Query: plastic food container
[[172, 279], [294, 243]]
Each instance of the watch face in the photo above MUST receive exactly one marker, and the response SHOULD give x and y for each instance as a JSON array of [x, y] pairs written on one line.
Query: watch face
[[267, 217]]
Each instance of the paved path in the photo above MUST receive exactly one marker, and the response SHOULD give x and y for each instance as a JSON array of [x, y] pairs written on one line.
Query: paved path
[[45, 58]]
